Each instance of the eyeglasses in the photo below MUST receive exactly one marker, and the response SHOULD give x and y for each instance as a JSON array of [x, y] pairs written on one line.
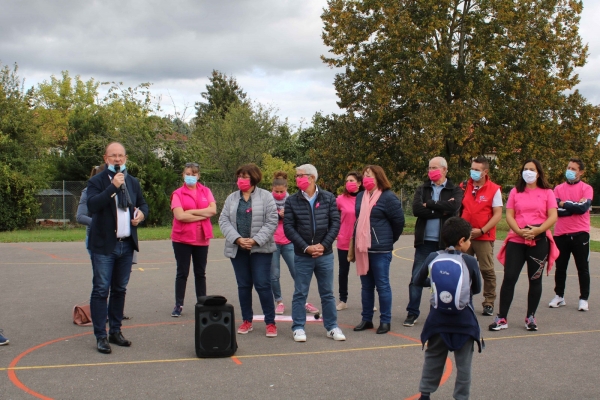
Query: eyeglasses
[[301, 175], [192, 165], [116, 155]]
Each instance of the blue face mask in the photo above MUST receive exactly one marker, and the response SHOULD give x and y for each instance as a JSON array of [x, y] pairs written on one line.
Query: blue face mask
[[571, 175], [475, 175], [112, 168], [190, 179]]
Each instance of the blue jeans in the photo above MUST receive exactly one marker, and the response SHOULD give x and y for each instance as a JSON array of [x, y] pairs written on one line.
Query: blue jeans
[[253, 269], [287, 252], [111, 274], [378, 277], [322, 267], [422, 251]]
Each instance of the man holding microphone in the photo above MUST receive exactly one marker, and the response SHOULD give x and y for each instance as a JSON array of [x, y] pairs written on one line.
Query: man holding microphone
[[117, 206]]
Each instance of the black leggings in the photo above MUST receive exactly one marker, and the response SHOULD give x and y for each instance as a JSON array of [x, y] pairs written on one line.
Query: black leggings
[[516, 255], [343, 274], [183, 254]]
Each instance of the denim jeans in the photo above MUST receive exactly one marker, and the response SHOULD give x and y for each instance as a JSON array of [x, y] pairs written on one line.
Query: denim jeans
[[254, 269], [378, 277], [183, 253], [111, 274], [343, 274], [287, 252], [414, 292], [322, 267]]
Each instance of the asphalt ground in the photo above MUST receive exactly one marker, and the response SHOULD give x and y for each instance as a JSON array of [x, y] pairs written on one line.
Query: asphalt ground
[[50, 357]]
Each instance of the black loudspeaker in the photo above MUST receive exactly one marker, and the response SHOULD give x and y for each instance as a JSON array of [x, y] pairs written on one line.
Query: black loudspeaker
[[215, 330]]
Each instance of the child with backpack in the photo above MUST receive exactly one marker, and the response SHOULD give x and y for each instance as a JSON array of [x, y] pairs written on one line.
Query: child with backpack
[[451, 325]]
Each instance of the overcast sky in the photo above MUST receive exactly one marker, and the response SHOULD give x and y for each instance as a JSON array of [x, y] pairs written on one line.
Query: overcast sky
[[272, 47]]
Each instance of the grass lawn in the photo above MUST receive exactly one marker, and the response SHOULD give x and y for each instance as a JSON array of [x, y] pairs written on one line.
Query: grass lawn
[[77, 234]]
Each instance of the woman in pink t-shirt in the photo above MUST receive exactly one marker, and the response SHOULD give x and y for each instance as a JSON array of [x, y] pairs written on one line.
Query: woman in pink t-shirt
[[285, 248], [531, 211], [192, 204], [346, 203]]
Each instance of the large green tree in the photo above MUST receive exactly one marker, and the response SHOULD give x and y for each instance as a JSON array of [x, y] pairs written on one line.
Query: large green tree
[[459, 78], [222, 92], [22, 154]]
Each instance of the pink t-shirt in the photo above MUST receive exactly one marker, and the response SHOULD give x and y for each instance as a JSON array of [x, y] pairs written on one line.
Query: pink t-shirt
[[576, 222], [346, 205], [531, 207], [279, 235], [176, 202]]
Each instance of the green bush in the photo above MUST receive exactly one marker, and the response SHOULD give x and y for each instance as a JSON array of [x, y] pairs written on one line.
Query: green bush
[[19, 206]]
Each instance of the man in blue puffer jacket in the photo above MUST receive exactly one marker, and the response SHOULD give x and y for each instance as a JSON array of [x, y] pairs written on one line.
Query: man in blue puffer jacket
[[312, 221]]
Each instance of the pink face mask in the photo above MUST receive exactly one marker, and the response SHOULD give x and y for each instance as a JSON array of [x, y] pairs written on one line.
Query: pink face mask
[[351, 186], [302, 183], [244, 184], [435, 174], [279, 196], [369, 183]]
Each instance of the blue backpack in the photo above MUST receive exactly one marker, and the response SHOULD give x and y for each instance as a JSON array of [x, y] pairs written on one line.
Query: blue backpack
[[450, 282]]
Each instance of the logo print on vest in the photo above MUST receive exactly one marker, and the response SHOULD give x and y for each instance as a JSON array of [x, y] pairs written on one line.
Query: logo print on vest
[[446, 297]]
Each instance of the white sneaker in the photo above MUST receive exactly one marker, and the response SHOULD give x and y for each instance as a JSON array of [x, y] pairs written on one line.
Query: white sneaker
[[341, 306], [557, 301], [299, 335], [583, 305], [336, 334]]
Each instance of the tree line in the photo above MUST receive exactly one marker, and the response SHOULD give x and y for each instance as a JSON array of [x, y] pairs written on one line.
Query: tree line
[[456, 78]]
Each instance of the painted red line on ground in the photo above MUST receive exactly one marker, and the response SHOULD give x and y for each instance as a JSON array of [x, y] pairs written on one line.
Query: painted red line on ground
[[412, 339], [12, 375], [54, 256], [236, 360], [445, 377]]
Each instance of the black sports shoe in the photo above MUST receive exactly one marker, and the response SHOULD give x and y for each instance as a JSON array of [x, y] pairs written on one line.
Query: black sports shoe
[[410, 320], [488, 310]]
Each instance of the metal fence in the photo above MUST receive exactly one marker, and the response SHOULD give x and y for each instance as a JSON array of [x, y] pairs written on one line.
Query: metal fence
[[58, 203]]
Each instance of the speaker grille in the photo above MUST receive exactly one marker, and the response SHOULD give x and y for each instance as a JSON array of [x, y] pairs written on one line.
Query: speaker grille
[[215, 337]]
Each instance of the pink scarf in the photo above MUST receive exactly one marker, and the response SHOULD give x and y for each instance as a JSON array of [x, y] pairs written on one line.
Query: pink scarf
[[363, 231]]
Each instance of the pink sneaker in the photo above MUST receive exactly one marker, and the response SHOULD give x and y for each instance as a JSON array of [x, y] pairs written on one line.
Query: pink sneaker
[[245, 328], [279, 309], [311, 309], [271, 330]]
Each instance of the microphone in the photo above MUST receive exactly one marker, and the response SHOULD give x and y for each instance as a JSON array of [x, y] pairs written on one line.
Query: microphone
[[117, 170]]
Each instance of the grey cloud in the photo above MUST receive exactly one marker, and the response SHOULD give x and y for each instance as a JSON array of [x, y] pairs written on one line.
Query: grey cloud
[[158, 40]]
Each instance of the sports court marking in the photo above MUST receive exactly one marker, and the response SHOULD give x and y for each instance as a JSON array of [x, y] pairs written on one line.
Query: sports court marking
[[12, 368]]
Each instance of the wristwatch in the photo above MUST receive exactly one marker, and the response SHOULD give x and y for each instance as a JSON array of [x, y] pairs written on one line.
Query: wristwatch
[[482, 232]]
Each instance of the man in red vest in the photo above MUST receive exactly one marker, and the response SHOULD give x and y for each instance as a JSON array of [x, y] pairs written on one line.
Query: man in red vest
[[482, 207]]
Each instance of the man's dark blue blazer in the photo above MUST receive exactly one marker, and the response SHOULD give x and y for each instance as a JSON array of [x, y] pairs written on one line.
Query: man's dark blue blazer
[[103, 232]]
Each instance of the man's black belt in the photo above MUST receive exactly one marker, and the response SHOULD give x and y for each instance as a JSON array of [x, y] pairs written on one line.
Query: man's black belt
[[123, 239]]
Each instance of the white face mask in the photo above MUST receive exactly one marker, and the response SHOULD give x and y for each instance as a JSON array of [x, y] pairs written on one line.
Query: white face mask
[[529, 176]]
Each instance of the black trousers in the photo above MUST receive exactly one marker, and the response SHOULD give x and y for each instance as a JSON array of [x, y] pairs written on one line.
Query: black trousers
[[184, 253], [577, 244], [343, 274], [517, 255]]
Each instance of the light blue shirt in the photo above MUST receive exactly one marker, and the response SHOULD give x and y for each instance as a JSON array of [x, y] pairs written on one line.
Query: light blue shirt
[[432, 229], [312, 201]]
